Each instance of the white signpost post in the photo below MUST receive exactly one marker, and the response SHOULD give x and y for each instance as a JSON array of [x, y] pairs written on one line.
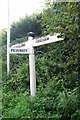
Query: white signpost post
[[28, 48], [32, 65]]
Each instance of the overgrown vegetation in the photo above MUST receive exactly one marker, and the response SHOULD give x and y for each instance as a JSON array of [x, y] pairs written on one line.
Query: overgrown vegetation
[[57, 67]]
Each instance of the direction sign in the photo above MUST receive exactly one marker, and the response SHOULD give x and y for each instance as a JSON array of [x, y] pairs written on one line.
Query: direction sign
[[20, 45], [46, 40], [19, 51], [37, 42]]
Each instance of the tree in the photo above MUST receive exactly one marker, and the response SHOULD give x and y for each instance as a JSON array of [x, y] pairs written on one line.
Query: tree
[[25, 25]]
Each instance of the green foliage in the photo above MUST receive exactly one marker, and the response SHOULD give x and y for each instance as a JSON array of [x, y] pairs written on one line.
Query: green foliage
[[55, 106], [18, 80], [61, 17], [25, 25], [57, 65]]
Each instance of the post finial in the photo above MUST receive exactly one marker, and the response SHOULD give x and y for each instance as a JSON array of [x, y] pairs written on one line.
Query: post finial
[[30, 34]]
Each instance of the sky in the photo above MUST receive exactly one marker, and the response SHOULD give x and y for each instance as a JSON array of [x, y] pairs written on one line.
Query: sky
[[18, 9]]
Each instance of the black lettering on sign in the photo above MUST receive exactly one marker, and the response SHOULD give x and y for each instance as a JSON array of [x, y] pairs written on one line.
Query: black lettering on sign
[[43, 39], [12, 50], [18, 50]]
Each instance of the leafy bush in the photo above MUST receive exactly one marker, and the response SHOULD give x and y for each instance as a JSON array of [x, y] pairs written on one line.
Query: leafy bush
[[58, 85]]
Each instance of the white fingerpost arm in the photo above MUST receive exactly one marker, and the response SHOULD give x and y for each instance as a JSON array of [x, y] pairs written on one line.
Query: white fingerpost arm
[[32, 66], [8, 39]]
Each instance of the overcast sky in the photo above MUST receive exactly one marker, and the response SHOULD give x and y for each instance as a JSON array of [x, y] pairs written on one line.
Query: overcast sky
[[18, 9]]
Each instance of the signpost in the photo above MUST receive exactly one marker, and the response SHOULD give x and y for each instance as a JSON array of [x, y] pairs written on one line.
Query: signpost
[[28, 48]]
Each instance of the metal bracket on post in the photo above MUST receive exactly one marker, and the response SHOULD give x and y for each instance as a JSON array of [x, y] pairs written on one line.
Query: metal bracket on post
[[32, 65]]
